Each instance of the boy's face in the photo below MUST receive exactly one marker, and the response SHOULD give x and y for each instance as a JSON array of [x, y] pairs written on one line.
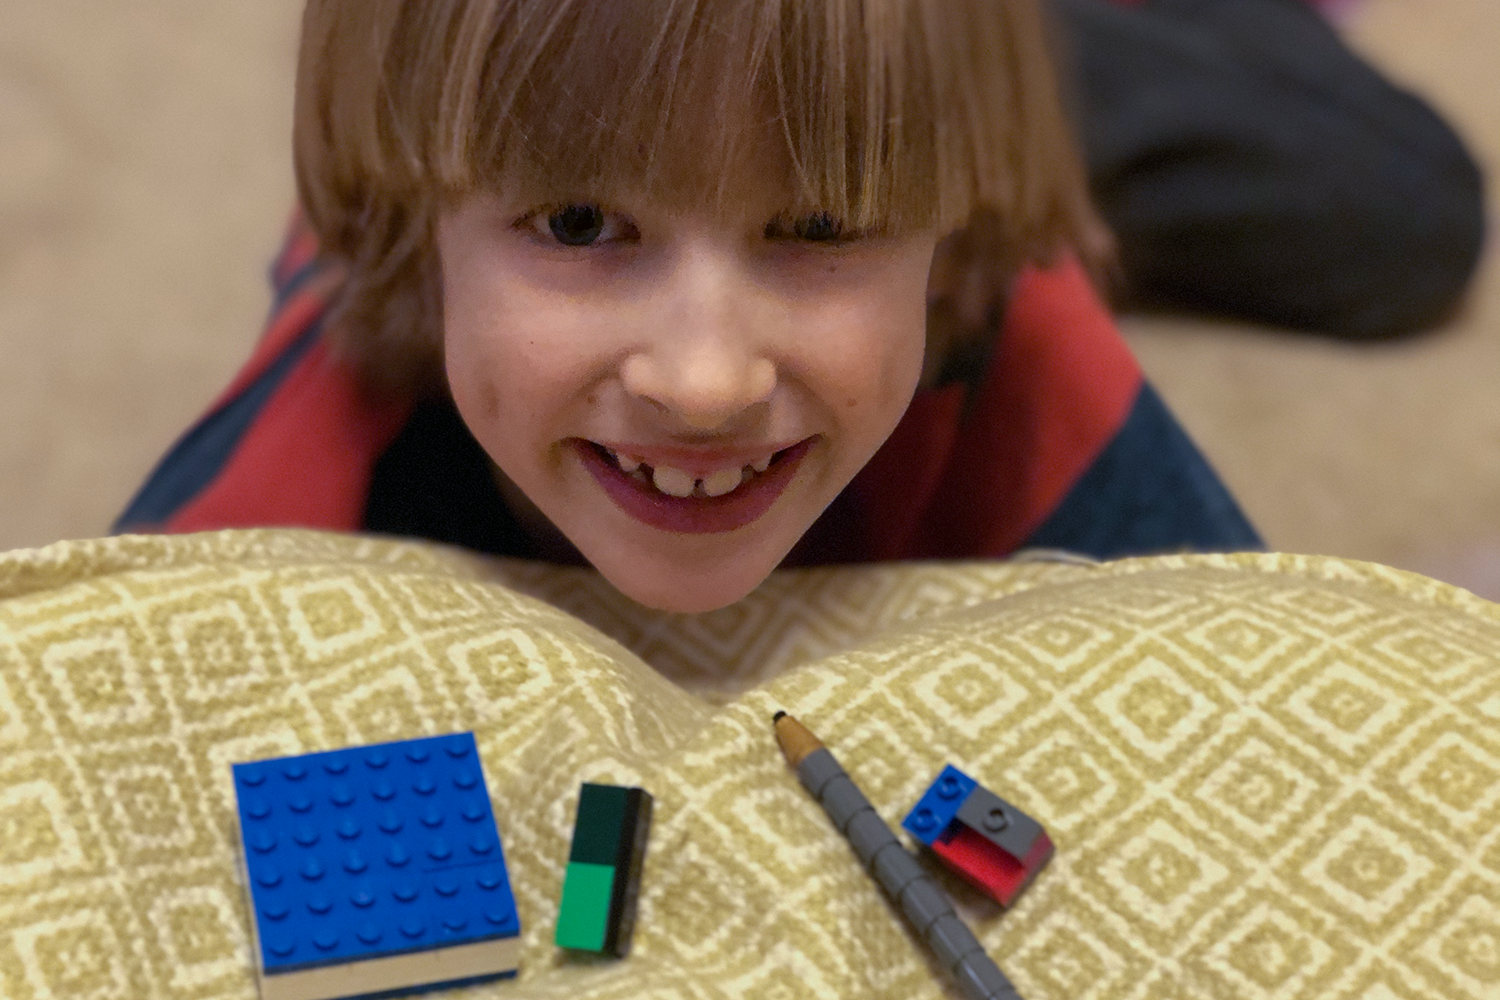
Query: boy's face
[[680, 394]]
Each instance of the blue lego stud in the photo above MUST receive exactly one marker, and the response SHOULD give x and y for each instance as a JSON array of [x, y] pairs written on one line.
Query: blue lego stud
[[375, 869], [938, 807]]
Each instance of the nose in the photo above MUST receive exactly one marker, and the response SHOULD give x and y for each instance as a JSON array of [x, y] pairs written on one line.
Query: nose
[[705, 359]]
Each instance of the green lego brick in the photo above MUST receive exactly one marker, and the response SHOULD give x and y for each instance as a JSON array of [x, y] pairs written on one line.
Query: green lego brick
[[583, 914]]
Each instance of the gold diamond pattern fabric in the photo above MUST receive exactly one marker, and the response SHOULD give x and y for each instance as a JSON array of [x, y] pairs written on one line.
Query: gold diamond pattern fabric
[[1267, 776]]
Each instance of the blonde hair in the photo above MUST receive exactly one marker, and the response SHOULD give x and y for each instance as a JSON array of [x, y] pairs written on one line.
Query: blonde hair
[[898, 114]]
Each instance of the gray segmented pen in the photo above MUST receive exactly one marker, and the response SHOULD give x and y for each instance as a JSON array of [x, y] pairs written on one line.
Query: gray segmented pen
[[947, 937]]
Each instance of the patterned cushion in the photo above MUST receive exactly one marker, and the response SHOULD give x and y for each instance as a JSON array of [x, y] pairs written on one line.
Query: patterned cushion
[[1267, 776]]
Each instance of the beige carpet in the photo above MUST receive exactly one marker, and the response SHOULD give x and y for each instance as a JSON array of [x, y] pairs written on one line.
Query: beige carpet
[[144, 175], [1389, 453]]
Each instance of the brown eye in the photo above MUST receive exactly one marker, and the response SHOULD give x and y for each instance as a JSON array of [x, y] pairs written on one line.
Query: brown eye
[[577, 225], [820, 227]]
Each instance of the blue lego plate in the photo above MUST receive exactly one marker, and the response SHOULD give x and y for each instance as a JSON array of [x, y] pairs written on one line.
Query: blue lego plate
[[372, 851]]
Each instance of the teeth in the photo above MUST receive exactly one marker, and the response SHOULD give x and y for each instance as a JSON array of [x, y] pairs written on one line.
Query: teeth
[[721, 482], [679, 483], [673, 482]]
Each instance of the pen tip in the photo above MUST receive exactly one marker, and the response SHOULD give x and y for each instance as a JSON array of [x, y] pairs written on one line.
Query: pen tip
[[777, 717], [795, 739]]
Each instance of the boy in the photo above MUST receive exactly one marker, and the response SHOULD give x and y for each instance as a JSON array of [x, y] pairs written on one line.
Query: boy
[[654, 285]]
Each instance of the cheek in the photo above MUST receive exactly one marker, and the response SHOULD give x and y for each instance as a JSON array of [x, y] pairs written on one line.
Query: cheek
[[471, 354], [491, 329], [496, 376], [890, 328], [870, 361]]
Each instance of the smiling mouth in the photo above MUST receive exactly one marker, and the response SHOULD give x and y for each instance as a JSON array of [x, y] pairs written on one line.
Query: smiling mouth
[[674, 482], [675, 500]]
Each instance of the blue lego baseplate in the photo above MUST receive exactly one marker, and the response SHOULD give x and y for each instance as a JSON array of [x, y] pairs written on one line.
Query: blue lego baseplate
[[372, 851]]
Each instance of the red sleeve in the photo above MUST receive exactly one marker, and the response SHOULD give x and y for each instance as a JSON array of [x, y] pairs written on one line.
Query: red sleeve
[[292, 441], [306, 460], [1059, 385]]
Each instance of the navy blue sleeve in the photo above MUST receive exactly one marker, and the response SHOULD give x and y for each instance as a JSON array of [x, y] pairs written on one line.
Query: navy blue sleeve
[[1149, 491]]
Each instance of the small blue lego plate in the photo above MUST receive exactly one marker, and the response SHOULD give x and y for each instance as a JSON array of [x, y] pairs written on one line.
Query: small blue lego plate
[[363, 855]]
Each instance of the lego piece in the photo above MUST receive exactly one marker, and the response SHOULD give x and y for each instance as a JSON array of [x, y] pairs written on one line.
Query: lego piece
[[375, 869], [999, 822], [597, 911], [979, 835], [935, 811], [999, 875]]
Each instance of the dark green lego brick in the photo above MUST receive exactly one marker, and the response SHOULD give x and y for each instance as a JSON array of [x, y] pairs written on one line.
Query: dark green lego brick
[[600, 824]]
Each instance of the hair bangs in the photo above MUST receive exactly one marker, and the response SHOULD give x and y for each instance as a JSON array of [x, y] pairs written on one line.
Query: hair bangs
[[882, 112], [654, 97]]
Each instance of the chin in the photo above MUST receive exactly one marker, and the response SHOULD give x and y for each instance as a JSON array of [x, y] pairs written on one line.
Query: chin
[[684, 572], [689, 579], [685, 594]]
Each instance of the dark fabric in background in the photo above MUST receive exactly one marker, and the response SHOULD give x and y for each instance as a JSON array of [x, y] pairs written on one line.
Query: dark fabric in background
[[1252, 165]]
